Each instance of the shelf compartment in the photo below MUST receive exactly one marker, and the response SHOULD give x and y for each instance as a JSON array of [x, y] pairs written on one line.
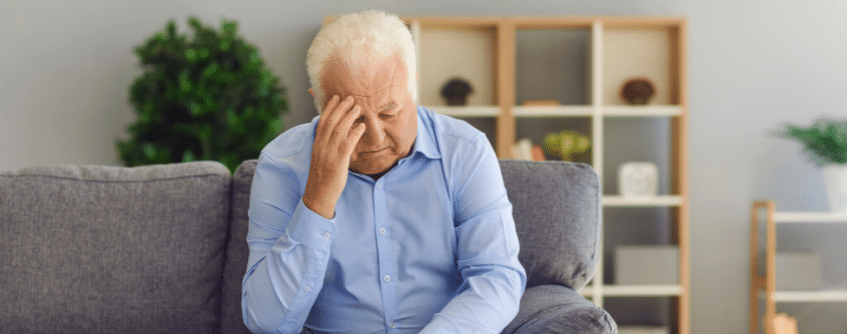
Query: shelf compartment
[[462, 51], [810, 217], [469, 111], [655, 201], [553, 64], [638, 139], [643, 51], [536, 128], [633, 227], [652, 310]]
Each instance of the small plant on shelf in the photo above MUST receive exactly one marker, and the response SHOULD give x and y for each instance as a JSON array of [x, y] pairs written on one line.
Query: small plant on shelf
[[567, 145], [825, 142], [209, 97]]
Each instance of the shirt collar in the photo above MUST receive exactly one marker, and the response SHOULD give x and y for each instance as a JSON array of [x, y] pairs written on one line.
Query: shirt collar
[[425, 142]]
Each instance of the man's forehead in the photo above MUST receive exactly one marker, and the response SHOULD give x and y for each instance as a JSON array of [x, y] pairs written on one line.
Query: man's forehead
[[371, 80]]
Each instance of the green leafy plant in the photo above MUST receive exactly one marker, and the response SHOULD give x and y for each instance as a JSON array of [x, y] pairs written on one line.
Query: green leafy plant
[[567, 145], [824, 143], [208, 97]]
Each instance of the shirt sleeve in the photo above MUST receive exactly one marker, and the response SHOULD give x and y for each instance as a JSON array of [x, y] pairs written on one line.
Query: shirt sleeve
[[289, 250], [487, 255]]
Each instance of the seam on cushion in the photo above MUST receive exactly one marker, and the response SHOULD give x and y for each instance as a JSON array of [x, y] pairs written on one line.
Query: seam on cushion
[[113, 181]]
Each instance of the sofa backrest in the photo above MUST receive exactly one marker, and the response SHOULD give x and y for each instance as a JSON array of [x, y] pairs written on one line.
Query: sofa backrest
[[95, 249], [153, 249]]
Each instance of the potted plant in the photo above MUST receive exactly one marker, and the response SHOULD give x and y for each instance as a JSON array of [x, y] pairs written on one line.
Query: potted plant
[[567, 145], [825, 144], [207, 97]]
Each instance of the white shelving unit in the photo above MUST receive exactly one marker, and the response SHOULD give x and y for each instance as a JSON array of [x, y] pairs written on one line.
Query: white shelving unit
[[484, 50], [763, 287]]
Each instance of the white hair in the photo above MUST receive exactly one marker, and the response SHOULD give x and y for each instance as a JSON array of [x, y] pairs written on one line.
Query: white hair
[[361, 39]]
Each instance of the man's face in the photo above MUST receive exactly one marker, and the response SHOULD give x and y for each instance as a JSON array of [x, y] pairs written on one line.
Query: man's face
[[388, 111]]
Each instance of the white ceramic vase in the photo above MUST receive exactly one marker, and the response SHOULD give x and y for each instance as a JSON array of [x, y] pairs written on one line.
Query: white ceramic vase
[[638, 179], [835, 180]]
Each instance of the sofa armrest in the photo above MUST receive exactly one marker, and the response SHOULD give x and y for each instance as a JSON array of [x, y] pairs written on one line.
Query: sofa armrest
[[558, 309], [556, 205]]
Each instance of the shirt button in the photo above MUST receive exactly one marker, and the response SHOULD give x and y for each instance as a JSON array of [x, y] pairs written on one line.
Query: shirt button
[[382, 231], [387, 278], [307, 288], [327, 235], [379, 185], [392, 324]]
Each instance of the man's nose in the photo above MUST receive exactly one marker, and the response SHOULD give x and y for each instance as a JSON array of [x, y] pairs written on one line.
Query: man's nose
[[374, 133]]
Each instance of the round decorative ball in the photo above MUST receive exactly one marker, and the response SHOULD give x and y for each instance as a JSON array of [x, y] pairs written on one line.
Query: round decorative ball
[[637, 91], [456, 91]]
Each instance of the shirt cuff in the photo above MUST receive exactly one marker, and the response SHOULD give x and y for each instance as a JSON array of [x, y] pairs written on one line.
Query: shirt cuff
[[310, 229]]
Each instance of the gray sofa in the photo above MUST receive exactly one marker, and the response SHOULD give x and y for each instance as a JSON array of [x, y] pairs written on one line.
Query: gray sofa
[[161, 249]]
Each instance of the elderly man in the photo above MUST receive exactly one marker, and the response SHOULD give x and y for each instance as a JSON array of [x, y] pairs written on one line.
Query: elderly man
[[379, 216]]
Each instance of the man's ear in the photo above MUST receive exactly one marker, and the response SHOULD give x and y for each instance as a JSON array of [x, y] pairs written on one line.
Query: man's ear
[[311, 92]]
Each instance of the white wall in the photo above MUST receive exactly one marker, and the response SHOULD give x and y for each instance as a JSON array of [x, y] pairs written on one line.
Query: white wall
[[755, 66], [65, 68]]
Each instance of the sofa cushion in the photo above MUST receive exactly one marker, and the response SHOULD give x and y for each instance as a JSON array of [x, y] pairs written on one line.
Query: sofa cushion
[[94, 249], [556, 206]]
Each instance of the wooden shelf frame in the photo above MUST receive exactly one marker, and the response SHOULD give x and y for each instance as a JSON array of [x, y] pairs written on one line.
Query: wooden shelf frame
[[764, 286]]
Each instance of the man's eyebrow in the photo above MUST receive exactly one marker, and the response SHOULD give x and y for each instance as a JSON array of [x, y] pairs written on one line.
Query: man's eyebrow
[[388, 106]]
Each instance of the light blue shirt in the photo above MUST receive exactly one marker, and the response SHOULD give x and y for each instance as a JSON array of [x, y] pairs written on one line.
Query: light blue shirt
[[429, 247]]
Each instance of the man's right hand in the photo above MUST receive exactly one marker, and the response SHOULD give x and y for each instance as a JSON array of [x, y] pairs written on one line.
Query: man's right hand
[[335, 139]]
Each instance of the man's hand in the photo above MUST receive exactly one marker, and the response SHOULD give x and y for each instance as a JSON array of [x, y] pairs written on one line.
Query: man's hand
[[335, 139]]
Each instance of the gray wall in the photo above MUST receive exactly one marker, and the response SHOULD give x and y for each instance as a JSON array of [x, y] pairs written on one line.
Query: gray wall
[[65, 68]]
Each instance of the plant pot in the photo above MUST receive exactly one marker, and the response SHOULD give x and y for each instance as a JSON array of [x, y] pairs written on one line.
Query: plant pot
[[835, 180]]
